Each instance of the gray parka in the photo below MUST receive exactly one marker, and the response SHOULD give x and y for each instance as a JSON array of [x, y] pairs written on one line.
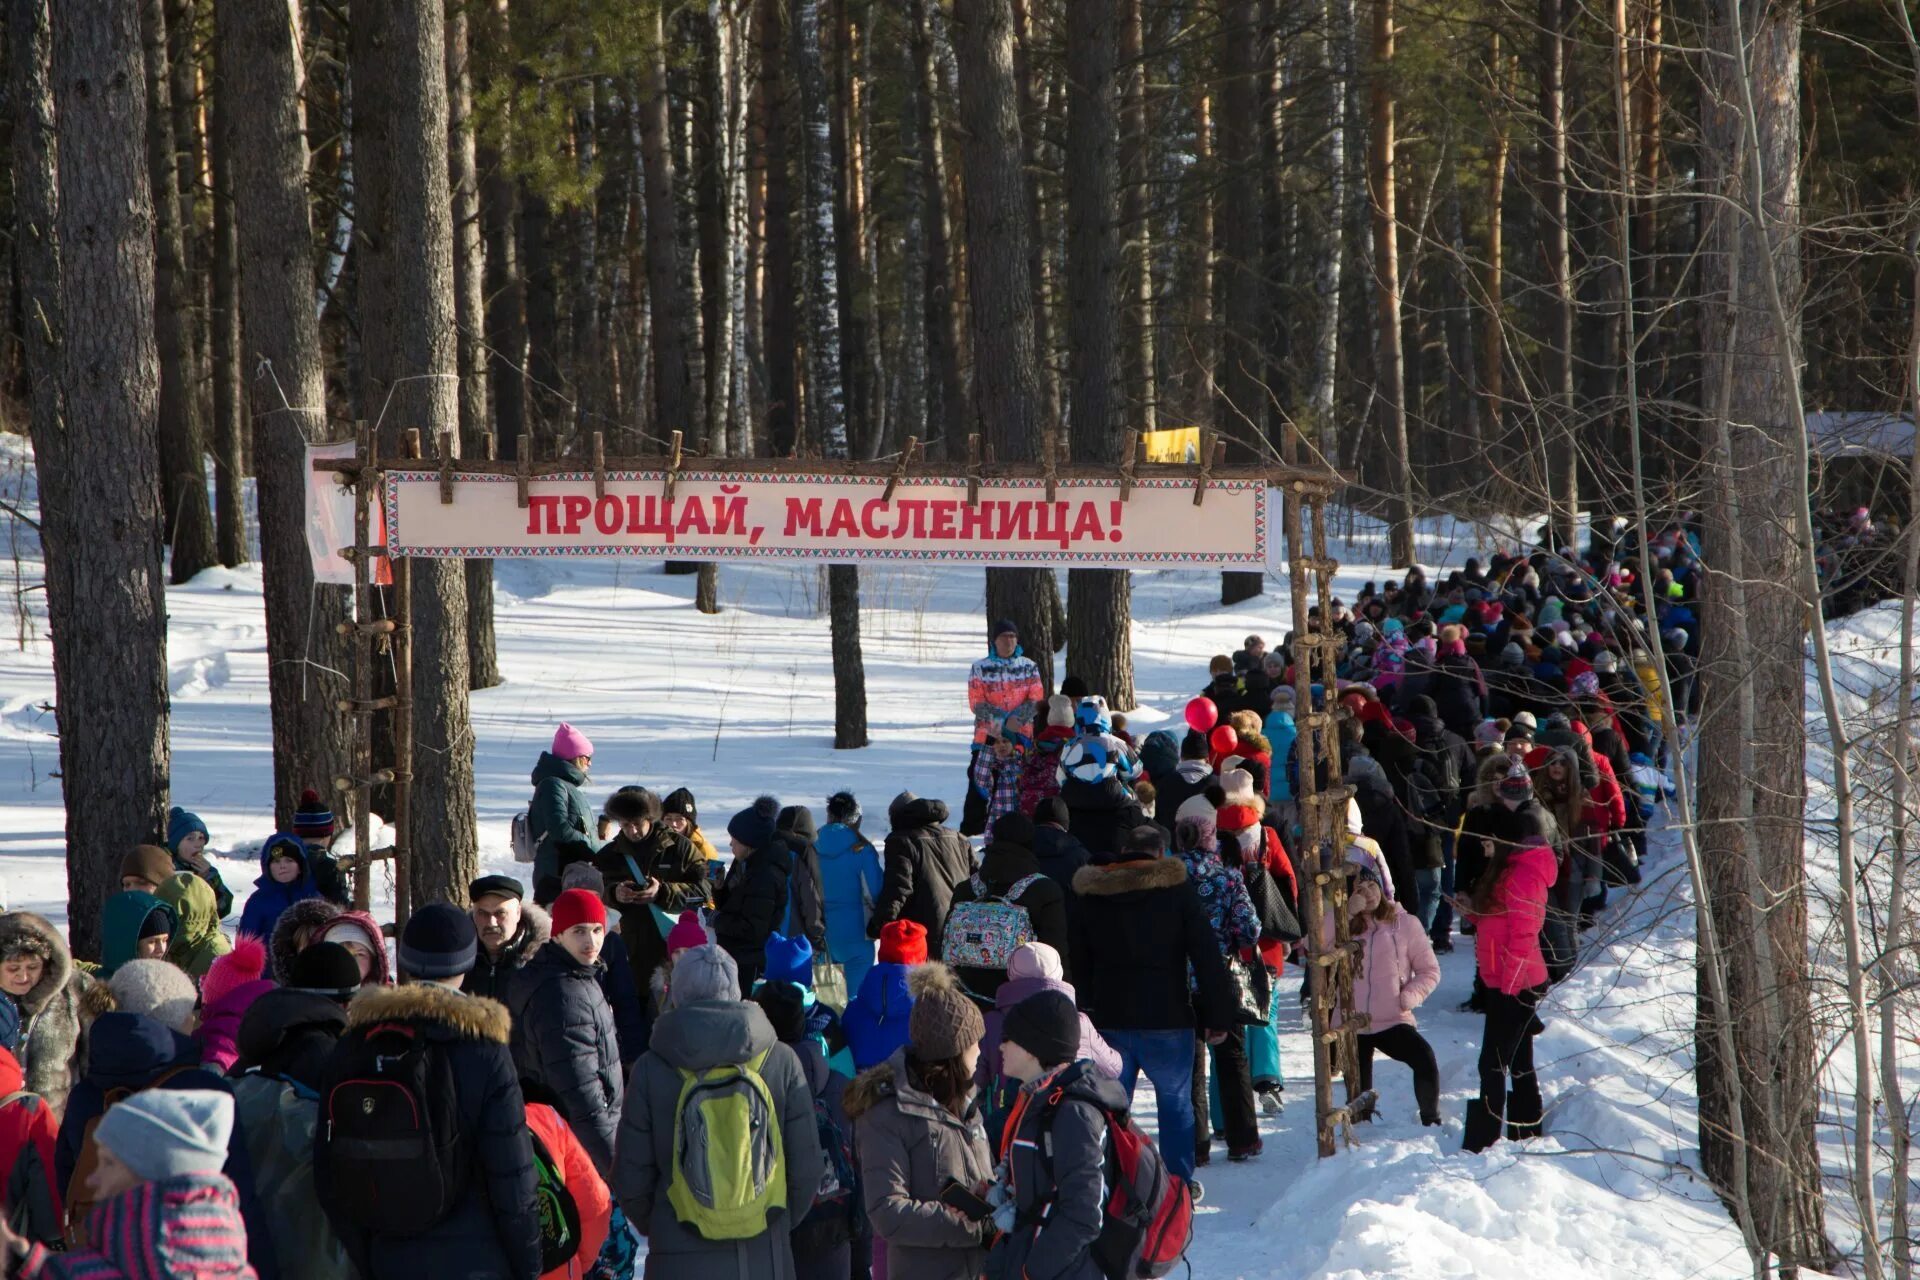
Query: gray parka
[[909, 1146], [694, 1037]]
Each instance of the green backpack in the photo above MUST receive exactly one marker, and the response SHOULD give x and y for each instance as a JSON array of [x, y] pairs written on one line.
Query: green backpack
[[729, 1162]]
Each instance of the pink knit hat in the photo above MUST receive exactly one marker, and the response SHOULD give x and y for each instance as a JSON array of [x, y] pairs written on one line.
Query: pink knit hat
[[569, 743], [1035, 960], [688, 933]]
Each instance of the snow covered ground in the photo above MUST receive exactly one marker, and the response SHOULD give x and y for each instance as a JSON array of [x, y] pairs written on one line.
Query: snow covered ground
[[742, 703]]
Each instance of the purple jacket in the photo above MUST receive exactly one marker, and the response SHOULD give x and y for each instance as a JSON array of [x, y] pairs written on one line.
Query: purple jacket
[[1012, 992]]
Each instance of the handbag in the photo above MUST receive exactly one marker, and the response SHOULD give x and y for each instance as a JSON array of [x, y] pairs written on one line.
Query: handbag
[[1278, 923], [829, 983], [1252, 992]]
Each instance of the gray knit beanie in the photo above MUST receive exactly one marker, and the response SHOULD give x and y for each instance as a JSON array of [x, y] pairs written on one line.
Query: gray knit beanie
[[157, 988], [165, 1133], [702, 973]]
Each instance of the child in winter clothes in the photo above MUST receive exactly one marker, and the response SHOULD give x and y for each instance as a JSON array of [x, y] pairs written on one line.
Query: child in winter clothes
[[232, 985], [164, 1210], [1397, 972], [917, 1126], [1508, 906], [360, 934], [876, 1019], [789, 961], [285, 879], [1053, 1153], [753, 898], [1033, 968], [849, 881], [187, 842], [198, 942], [134, 926], [1096, 753], [680, 813], [1040, 768], [582, 1181], [996, 772], [27, 1133]]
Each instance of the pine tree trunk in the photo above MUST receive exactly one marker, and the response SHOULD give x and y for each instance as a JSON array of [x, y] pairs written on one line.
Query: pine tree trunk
[[1563, 457], [1757, 870], [1032, 129], [549, 419], [469, 320], [1197, 342], [1007, 385], [777, 319], [1390, 374], [229, 403], [406, 311], [1136, 224], [1334, 54], [1240, 405], [1100, 624], [261, 72], [849, 214], [183, 475], [946, 395], [87, 259], [505, 291], [1493, 341], [818, 262]]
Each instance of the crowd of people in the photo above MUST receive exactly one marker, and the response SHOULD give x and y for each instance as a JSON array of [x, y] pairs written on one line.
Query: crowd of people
[[815, 1055]]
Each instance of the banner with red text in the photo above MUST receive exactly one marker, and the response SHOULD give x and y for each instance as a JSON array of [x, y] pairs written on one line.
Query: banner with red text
[[841, 518]]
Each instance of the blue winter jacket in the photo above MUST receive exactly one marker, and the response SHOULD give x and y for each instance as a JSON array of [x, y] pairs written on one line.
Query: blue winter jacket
[[131, 1051], [270, 897], [875, 1021], [849, 880], [1280, 732]]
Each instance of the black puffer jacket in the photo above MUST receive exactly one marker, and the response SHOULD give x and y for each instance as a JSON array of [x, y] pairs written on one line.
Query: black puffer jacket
[[1101, 813], [287, 1035], [752, 903], [1139, 926], [1001, 867], [1456, 693], [807, 912], [564, 1037], [923, 862], [494, 1233], [662, 855], [1059, 1199]]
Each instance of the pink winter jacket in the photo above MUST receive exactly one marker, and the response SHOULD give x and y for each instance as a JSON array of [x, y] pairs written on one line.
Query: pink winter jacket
[[1506, 939], [1397, 969]]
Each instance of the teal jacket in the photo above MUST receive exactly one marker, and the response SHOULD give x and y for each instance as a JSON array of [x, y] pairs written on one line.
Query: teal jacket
[[120, 922], [559, 821]]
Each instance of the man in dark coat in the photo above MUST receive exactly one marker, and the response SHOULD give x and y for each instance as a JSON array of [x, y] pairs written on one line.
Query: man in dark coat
[[1383, 820], [510, 930], [647, 867], [1007, 862], [563, 1031], [1140, 925], [922, 862], [752, 901], [806, 904], [494, 1230], [1059, 854]]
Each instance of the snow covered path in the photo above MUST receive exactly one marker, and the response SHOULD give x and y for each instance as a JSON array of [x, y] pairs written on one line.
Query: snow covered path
[[742, 703]]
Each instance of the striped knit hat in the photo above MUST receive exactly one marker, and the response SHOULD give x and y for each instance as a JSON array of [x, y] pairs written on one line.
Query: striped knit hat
[[313, 820]]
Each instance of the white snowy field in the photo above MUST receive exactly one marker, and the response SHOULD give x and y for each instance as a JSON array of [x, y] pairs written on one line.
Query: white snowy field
[[740, 704]]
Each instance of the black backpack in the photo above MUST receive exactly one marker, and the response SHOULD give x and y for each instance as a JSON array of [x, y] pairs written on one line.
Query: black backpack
[[1433, 785], [388, 1153], [837, 1215]]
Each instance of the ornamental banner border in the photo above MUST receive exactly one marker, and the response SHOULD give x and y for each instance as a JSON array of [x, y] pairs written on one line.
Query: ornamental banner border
[[831, 517]]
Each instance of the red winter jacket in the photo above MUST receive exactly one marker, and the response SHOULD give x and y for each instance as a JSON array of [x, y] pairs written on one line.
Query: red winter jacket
[[1506, 938], [1606, 807], [27, 1122], [582, 1181]]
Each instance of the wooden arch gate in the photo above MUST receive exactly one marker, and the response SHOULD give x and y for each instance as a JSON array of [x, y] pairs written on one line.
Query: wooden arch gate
[[979, 512]]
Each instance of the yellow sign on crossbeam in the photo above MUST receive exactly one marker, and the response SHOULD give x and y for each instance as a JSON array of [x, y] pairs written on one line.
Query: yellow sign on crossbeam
[[1176, 444]]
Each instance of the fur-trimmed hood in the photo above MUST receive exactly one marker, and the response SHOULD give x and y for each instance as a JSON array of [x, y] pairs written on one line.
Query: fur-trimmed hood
[[869, 1089], [23, 931], [467, 1017], [302, 918], [1139, 875]]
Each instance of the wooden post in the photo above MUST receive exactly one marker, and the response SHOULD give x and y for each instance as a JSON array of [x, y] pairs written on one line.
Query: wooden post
[[365, 446], [402, 643], [1323, 870]]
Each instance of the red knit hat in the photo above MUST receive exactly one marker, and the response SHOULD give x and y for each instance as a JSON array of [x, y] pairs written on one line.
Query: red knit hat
[[577, 906], [903, 942]]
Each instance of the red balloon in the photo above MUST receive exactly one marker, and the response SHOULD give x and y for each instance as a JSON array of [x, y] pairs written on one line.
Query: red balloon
[[1202, 715], [1224, 740]]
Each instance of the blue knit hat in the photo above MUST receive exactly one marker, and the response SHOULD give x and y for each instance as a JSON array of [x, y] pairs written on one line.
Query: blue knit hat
[[180, 825], [790, 960], [756, 825]]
